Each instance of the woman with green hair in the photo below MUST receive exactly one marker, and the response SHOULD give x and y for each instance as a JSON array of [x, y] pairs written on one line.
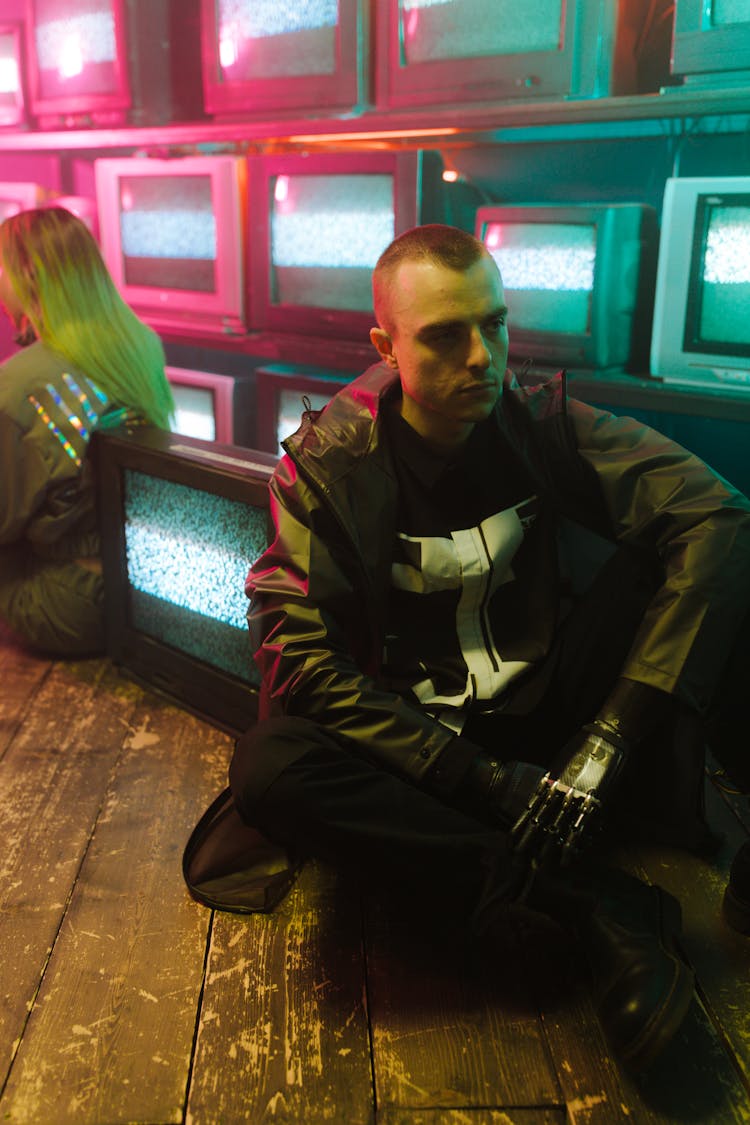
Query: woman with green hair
[[86, 361]]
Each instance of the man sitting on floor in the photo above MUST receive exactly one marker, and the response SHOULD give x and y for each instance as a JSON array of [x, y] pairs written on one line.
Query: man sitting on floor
[[435, 705]]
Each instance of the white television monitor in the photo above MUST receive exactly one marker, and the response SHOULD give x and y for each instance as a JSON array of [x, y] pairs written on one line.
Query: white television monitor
[[701, 327], [173, 237]]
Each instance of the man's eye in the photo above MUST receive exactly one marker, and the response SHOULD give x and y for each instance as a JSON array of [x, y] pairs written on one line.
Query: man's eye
[[493, 326], [444, 336]]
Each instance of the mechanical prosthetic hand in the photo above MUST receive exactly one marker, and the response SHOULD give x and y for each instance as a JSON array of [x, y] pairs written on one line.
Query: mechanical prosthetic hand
[[559, 818], [565, 808]]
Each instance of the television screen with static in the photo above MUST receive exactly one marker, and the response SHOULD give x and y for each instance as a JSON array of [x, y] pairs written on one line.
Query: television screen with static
[[319, 223], [701, 331], [182, 522], [454, 52], [12, 102], [266, 56], [108, 62], [213, 406], [578, 281], [173, 237]]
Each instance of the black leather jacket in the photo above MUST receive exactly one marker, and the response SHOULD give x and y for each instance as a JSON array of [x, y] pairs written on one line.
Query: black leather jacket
[[319, 591]]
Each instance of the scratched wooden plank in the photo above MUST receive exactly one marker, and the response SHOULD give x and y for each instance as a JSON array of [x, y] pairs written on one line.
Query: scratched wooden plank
[[719, 955], [452, 1022], [110, 1037], [536, 1115], [692, 1081], [283, 1031], [21, 673], [52, 780]]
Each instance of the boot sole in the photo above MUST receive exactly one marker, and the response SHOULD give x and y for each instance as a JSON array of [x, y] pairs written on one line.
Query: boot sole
[[665, 1021]]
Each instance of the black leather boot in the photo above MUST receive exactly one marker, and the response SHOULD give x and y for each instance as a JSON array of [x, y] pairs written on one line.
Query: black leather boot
[[629, 931], [643, 987]]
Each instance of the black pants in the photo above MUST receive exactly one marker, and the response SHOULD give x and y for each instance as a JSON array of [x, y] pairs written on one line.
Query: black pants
[[330, 801]]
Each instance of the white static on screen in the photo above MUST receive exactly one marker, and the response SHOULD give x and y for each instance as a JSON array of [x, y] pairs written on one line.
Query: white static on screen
[[169, 233], [258, 19], [88, 38]]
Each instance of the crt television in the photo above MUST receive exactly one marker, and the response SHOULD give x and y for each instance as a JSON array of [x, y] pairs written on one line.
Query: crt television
[[284, 392], [262, 57], [578, 279], [21, 196], [105, 62], [82, 206], [12, 102], [701, 334], [711, 43], [213, 406], [172, 235], [182, 521], [452, 51], [320, 223]]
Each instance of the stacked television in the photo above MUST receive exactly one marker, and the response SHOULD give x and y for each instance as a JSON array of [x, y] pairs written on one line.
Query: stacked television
[[218, 247], [111, 62]]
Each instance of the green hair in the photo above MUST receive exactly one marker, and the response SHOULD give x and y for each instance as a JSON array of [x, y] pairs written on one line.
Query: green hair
[[57, 272]]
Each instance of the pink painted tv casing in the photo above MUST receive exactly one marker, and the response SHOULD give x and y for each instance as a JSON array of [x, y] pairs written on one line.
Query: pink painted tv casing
[[220, 310]]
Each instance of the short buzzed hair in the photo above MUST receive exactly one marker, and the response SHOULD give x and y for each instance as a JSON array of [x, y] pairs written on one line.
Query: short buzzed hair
[[446, 246]]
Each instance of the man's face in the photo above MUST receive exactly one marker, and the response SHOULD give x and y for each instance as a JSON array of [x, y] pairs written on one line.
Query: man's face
[[450, 345]]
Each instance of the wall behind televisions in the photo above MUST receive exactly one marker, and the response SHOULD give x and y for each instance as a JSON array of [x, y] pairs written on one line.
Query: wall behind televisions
[[566, 130]]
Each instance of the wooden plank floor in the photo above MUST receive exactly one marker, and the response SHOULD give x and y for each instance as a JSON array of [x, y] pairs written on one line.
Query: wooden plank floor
[[123, 1001]]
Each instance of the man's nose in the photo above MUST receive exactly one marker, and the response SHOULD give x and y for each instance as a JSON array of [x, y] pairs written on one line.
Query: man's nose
[[479, 353]]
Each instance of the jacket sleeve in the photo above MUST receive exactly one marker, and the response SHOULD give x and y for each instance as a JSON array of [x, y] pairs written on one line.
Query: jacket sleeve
[[308, 618], [663, 498], [24, 478]]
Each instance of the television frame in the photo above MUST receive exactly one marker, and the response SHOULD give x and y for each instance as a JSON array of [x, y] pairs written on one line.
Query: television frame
[[707, 57], [233, 399], [345, 89], [110, 106], [419, 194], [273, 379], [610, 344], [673, 360], [156, 56], [221, 312], [223, 470], [581, 67], [14, 115], [28, 195]]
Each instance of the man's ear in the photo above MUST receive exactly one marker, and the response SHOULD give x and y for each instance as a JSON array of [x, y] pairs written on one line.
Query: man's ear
[[383, 343]]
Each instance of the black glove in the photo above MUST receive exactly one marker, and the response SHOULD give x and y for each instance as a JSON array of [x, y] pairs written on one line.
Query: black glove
[[563, 809], [500, 790]]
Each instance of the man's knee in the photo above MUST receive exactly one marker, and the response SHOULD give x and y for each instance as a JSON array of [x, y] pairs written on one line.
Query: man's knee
[[263, 755]]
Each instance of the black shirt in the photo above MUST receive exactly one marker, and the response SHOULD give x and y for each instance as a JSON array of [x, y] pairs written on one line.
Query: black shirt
[[474, 595]]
